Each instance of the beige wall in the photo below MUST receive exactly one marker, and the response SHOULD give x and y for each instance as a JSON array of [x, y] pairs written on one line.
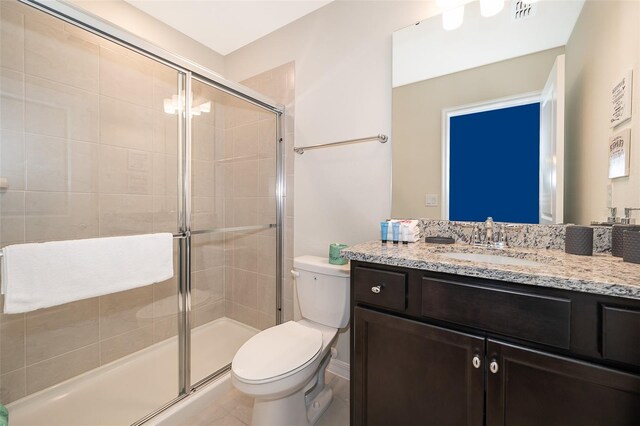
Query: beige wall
[[417, 122], [148, 28], [603, 46]]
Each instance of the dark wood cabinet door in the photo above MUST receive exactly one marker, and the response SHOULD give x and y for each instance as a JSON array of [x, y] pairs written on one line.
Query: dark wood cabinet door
[[408, 373], [535, 388]]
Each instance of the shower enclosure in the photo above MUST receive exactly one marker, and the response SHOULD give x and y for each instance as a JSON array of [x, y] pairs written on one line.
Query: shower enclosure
[[104, 134]]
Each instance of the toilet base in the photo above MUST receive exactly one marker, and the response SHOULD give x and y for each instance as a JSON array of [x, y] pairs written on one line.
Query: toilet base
[[287, 411], [302, 408], [320, 404]]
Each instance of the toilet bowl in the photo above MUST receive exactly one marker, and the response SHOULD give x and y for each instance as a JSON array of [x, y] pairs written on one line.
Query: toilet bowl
[[283, 367]]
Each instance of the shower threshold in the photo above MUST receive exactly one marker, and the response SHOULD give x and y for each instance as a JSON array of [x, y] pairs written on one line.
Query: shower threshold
[[126, 390]]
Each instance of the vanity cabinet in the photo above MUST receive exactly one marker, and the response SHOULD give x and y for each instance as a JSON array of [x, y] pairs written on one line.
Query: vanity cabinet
[[442, 349]]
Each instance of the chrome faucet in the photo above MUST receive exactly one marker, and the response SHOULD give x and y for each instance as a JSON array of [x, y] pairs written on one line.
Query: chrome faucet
[[488, 232], [627, 215]]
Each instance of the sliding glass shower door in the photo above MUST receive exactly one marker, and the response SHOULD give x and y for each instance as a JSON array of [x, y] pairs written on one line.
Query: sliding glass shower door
[[86, 151], [102, 138], [233, 223]]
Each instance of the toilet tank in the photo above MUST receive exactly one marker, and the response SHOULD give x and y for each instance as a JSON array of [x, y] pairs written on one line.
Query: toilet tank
[[323, 290]]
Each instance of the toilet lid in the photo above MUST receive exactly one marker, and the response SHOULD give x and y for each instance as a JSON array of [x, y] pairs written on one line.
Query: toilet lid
[[277, 351]]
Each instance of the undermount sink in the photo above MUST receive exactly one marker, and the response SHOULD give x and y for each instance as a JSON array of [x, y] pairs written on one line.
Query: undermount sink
[[492, 258]]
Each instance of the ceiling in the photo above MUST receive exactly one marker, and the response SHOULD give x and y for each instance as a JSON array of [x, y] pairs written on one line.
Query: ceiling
[[227, 25]]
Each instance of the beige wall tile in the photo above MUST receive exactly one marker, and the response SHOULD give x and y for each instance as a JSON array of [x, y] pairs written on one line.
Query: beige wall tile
[[267, 178], [266, 320], [245, 251], [203, 142], [126, 125], [63, 367], [266, 210], [208, 251], [241, 211], [245, 179], [223, 180], [207, 313], [11, 100], [83, 166], [60, 216], [289, 185], [243, 287], [267, 254], [267, 294], [63, 111], [12, 217], [47, 163], [12, 158], [61, 329], [13, 386], [125, 344], [202, 179], [126, 77], [165, 174], [12, 334], [208, 285], [54, 54], [165, 213], [165, 328], [246, 140], [11, 37], [165, 133], [126, 214], [125, 171], [267, 138], [120, 312], [244, 314]]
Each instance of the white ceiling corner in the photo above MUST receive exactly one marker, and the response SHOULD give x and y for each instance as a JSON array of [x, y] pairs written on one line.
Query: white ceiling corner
[[227, 25]]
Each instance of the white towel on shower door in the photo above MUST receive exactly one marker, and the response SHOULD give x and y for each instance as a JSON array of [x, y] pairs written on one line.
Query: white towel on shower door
[[40, 275]]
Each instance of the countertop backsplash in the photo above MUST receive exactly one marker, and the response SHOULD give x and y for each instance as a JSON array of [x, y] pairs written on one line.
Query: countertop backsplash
[[529, 236]]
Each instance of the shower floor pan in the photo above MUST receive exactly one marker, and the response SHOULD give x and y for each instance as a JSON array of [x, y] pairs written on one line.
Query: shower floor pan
[[126, 390]]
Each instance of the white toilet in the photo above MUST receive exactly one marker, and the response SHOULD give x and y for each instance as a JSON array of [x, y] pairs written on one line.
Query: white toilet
[[283, 367]]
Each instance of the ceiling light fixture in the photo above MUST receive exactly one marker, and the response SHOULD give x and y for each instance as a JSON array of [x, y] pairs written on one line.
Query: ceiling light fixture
[[452, 13], [453, 10], [491, 7], [453, 18]]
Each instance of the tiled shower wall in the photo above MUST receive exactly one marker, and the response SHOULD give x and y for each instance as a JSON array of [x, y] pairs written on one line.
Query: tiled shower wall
[[279, 84], [88, 152]]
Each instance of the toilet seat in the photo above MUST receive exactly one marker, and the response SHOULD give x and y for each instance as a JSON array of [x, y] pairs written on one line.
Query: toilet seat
[[277, 352]]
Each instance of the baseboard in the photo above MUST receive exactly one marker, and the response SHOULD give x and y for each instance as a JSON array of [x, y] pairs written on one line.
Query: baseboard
[[339, 368]]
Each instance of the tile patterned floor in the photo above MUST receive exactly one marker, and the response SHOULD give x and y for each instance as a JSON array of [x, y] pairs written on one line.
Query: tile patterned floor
[[234, 408]]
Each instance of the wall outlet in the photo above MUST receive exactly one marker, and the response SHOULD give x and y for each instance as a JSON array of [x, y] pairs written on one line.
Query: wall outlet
[[431, 200], [610, 195]]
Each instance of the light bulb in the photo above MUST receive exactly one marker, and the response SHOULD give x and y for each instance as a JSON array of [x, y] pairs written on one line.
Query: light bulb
[[452, 18], [491, 7]]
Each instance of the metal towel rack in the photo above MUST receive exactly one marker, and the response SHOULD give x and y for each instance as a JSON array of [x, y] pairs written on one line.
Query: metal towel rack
[[380, 138]]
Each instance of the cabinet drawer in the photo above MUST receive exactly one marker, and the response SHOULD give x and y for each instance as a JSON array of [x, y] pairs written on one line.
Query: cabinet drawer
[[621, 334], [537, 318], [392, 287]]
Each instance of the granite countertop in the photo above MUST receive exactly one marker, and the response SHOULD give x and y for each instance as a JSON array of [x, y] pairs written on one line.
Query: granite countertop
[[599, 274]]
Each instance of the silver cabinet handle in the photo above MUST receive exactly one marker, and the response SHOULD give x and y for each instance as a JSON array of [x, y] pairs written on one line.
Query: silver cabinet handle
[[376, 289], [476, 361], [493, 367]]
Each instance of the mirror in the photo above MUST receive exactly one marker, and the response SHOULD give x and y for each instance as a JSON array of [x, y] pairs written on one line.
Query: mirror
[[489, 60]]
